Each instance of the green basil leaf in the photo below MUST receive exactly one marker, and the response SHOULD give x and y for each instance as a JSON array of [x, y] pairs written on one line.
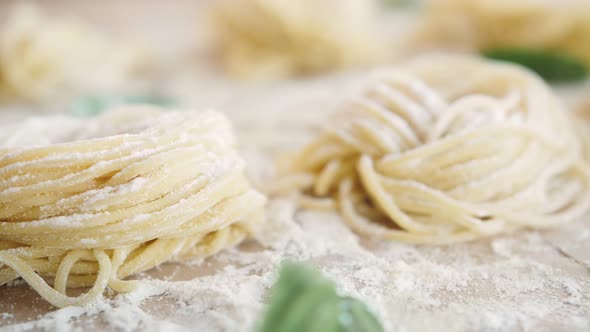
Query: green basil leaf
[[303, 300], [400, 3], [293, 294], [302, 314], [551, 65], [92, 105], [355, 316]]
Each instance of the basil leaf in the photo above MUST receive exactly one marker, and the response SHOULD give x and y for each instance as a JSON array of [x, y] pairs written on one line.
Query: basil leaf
[[292, 294], [552, 66], [400, 3], [91, 105], [303, 300], [292, 282], [355, 316], [303, 312]]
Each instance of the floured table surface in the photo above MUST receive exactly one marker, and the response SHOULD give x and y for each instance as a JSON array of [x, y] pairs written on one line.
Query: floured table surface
[[527, 281]]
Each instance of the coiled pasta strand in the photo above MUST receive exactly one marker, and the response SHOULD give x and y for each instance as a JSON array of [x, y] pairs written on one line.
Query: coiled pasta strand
[[92, 212], [423, 156]]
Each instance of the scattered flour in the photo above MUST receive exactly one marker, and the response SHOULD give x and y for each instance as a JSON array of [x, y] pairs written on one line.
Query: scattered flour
[[87, 241], [466, 287], [519, 282]]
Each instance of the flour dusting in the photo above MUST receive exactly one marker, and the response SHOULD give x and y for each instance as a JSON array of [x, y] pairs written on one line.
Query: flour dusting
[[491, 285], [525, 281]]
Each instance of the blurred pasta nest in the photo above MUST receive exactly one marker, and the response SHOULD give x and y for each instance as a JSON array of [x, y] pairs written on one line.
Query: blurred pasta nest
[[446, 149], [43, 58], [485, 24], [280, 38]]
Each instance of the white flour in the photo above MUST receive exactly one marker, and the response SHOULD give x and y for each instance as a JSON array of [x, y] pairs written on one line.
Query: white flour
[[521, 282], [508, 284]]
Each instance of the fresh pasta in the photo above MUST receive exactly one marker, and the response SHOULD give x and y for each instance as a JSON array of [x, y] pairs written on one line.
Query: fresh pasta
[[267, 39], [42, 58], [137, 188], [486, 24], [446, 149]]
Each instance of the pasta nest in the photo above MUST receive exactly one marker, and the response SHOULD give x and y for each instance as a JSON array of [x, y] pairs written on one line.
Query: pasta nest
[[446, 149], [137, 188], [42, 58], [486, 24], [267, 39]]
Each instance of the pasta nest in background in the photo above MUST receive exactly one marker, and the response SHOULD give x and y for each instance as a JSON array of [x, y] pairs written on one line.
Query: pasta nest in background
[[267, 39], [137, 188], [43, 58], [487, 24], [446, 149]]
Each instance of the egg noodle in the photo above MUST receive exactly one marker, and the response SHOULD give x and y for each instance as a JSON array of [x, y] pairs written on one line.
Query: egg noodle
[[446, 149], [88, 213]]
